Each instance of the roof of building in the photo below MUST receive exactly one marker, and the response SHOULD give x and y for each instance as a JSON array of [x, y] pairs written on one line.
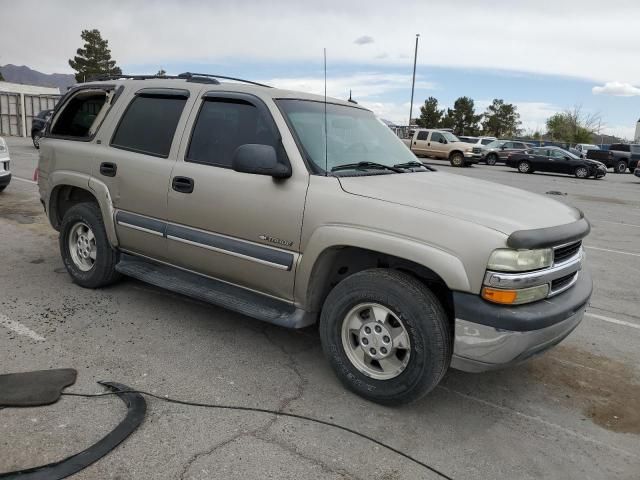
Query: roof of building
[[28, 89]]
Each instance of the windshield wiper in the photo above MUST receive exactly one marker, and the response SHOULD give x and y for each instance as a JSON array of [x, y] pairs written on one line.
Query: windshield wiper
[[365, 165], [410, 164]]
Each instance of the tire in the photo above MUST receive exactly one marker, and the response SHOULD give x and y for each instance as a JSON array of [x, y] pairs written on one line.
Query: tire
[[581, 172], [413, 309], [2, 188], [492, 159], [457, 160], [620, 167], [36, 139], [86, 271], [524, 167]]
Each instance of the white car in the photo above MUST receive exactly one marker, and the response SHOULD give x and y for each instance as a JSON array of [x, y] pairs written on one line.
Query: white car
[[5, 173], [583, 148]]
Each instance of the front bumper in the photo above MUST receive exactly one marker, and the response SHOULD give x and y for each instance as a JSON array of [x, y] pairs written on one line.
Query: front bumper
[[5, 178], [489, 337]]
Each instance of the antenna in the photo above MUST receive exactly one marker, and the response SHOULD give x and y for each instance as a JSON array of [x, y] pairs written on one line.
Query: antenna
[[326, 133]]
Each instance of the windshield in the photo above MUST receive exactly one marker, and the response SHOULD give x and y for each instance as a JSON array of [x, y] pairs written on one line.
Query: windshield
[[567, 153], [354, 135], [496, 144], [589, 147], [635, 149], [450, 137]]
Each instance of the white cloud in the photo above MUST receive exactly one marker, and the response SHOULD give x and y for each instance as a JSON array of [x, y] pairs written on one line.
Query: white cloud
[[395, 112], [617, 89], [362, 85], [621, 131], [516, 36]]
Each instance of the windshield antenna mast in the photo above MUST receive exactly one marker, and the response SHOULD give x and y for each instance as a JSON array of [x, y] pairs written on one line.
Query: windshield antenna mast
[[326, 133]]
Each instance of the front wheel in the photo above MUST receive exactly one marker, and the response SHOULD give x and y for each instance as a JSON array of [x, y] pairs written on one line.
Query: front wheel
[[524, 167], [85, 248], [621, 167], [492, 159], [386, 336], [581, 172], [457, 160]]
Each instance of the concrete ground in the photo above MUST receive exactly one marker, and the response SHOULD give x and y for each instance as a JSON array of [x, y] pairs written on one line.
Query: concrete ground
[[573, 413]]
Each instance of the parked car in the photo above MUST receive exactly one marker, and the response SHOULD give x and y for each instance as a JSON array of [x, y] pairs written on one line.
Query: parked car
[[38, 124], [499, 150], [619, 157], [636, 172], [5, 163], [232, 193], [583, 148], [576, 152], [555, 160], [442, 145]]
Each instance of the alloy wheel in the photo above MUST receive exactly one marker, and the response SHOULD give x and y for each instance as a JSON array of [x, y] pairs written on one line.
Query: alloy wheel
[[82, 246]]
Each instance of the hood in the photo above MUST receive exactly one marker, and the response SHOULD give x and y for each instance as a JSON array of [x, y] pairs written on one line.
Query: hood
[[492, 205]]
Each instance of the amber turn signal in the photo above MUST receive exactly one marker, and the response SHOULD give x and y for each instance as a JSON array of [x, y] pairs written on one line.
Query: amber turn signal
[[499, 296]]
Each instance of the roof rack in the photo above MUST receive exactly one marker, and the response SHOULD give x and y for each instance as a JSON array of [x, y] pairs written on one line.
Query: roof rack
[[188, 76], [208, 75]]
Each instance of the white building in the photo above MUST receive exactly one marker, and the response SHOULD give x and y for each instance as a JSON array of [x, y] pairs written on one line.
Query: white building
[[636, 139], [19, 103]]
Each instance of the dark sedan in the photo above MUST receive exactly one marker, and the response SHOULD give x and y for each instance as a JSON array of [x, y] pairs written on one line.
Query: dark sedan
[[555, 160]]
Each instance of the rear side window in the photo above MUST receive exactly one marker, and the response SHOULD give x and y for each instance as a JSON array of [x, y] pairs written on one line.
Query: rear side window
[[149, 124], [619, 147], [79, 115], [224, 124], [422, 135], [486, 141]]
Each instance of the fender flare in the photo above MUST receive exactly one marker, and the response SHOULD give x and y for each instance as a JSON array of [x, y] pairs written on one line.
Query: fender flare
[[443, 263]]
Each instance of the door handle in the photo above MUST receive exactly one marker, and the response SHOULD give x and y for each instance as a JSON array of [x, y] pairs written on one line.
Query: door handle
[[108, 169], [428, 144], [182, 184], [415, 143]]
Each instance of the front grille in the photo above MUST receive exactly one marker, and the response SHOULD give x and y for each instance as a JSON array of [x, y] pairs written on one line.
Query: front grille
[[564, 253], [477, 150], [560, 283]]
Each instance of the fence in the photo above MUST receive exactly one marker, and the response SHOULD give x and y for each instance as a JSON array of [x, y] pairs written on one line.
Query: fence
[[18, 109]]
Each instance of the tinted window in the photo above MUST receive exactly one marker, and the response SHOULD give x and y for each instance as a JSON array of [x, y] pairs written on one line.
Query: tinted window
[[520, 145], [437, 137], [423, 135], [78, 115], [508, 144], [620, 147], [635, 149], [149, 124], [224, 125], [486, 141]]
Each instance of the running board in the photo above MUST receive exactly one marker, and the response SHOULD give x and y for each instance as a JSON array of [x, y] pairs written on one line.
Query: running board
[[215, 292]]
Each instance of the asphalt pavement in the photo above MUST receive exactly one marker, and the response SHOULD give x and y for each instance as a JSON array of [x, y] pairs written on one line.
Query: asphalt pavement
[[573, 413]]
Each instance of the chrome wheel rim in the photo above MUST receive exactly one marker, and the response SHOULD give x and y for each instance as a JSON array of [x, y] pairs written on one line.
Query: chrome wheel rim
[[376, 341], [491, 160], [36, 140], [82, 246], [457, 160], [524, 167], [582, 172]]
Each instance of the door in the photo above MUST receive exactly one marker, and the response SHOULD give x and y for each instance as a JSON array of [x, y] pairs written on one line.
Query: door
[[419, 146], [558, 162], [438, 145], [238, 227], [136, 167]]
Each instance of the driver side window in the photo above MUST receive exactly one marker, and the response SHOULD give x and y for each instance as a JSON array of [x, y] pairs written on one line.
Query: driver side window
[[437, 137]]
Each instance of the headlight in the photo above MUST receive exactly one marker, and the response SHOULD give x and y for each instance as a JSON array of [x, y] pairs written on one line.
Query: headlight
[[3, 145], [468, 149], [507, 260]]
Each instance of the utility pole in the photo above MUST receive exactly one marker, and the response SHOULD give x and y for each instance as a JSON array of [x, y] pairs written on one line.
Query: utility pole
[[413, 82]]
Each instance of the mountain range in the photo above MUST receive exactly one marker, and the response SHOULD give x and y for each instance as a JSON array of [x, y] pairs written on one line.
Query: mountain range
[[24, 74]]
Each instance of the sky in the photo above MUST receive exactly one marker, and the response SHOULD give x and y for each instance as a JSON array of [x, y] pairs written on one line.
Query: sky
[[544, 56]]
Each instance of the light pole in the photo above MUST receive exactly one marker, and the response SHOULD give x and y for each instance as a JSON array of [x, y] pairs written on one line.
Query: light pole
[[413, 82]]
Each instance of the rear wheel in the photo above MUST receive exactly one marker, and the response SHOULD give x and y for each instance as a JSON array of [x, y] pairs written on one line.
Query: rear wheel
[[457, 159], [85, 249], [621, 167], [524, 167], [581, 172], [36, 139], [386, 336], [492, 159]]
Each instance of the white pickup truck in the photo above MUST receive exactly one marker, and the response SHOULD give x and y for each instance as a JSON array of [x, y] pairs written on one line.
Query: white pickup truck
[[442, 145]]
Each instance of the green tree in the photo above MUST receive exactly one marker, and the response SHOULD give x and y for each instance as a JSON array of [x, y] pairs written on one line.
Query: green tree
[[462, 118], [161, 72], [430, 115], [1, 77], [501, 119], [573, 126], [94, 58]]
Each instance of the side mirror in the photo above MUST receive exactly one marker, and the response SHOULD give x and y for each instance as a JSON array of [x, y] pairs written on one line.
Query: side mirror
[[259, 160], [503, 147], [443, 140]]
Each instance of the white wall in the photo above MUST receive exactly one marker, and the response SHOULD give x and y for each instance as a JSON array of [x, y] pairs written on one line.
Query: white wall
[[28, 89]]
